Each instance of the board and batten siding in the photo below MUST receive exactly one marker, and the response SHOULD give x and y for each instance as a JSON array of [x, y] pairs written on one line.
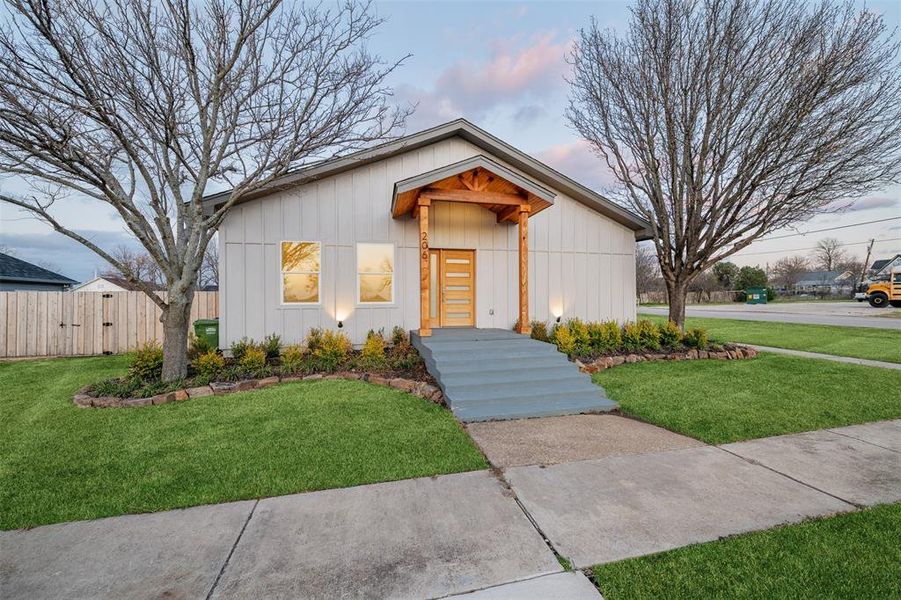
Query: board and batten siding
[[580, 262]]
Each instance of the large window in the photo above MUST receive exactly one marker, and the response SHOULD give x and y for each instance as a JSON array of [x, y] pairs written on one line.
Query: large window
[[300, 272], [375, 273]]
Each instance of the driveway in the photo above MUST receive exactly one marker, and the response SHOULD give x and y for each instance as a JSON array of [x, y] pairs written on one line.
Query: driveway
[[848, 313]]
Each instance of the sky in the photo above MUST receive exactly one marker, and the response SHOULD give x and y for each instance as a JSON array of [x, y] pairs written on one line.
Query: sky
[[502, 66]]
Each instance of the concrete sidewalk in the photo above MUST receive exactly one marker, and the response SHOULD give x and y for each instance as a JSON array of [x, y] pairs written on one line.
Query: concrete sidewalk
[[458, 534], [842, 359]]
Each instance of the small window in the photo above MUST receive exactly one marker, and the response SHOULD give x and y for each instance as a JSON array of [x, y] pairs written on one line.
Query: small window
[[300, 272], [375, 273]]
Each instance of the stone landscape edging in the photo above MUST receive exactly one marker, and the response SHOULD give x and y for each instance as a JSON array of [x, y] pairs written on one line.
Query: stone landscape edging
[[734, 352], [420, 389]]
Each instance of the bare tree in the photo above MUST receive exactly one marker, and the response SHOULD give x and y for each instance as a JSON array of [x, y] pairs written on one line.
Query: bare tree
[[646, 271], [787, 271], [724, 120], [209, 269], [828, 254], [135, 266], [147, 106]]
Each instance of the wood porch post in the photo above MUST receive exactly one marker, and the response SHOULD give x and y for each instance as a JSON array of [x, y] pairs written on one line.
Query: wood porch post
[[524, 327], [425, 279]]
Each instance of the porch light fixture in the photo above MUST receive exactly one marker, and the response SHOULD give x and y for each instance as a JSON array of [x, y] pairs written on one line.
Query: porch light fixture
[[340, 324], [558, 318]]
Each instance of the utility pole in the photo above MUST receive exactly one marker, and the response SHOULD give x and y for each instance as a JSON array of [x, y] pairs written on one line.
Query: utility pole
[[866, 261]]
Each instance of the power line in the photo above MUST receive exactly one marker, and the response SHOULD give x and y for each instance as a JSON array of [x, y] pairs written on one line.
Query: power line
[[781, 237], [740, 253]]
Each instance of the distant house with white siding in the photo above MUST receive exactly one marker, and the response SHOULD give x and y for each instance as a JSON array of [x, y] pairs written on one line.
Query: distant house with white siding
[[109, 283], [449, 227]]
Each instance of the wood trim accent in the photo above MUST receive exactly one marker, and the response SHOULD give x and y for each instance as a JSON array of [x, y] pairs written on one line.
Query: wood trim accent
[[483, 197], [524, 327], [425, 329]]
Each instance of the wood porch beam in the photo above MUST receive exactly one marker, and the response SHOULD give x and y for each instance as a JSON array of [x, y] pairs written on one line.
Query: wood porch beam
[[471, 196], [425, 279], [524, 327]]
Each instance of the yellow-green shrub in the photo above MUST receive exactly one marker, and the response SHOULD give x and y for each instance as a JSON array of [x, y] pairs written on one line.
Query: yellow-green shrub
[[581, 340], [631, 337], [372, 355], [649, 335], [539, 331], [563, 338], [209, 364], [670, 335], [292, 358], [605, 337], [696, 338], [253, 361], [328, 349], [146, 362]]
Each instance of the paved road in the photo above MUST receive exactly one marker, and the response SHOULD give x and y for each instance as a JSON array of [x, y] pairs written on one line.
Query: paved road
[[431, 537], [849, 313]]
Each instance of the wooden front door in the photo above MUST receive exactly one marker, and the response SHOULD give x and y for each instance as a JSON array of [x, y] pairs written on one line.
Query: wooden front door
[[456, 287]]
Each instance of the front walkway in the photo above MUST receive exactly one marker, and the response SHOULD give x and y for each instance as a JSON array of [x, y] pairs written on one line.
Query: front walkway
[[496, 534], [842, 359]]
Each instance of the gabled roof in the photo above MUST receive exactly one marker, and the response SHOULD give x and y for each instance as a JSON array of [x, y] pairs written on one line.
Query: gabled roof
[[476, 136], [822, 277], [122, 283], [878, 265], [14, 269]]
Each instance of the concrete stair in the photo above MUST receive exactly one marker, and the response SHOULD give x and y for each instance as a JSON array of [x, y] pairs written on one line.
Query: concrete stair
[[494, 374]]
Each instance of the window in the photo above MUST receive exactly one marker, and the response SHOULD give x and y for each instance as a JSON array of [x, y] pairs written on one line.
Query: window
[[375, 273], [300, 272]]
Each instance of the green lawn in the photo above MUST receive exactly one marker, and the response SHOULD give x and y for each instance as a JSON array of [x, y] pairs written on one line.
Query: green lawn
[[59, 462], [725, 401], [858, 342], [848, 556]]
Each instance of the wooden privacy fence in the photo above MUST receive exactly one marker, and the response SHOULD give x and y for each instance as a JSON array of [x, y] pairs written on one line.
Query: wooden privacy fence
[[84, 323]]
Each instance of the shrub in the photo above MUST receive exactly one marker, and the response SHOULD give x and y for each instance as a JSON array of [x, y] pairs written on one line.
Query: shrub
[[272, 346], [563, 338], [399, 336], [146, 363], [696, 338], [670, 335], [403, 357], [292, 358], [241, 346], [253, 361], [329, 350], [372, 355], [604, 337], [539, 331], [209, 365], [198, 346], [581, 341], [631, 337], [648, 334]]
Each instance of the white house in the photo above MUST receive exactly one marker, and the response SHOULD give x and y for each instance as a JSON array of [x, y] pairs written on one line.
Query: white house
[[449, 227], [108, 283]]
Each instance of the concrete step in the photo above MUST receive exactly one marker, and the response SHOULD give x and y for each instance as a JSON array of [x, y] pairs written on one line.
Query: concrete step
[[486, 374], [485, 353], [499, 363], [523, 408], [526, 389]]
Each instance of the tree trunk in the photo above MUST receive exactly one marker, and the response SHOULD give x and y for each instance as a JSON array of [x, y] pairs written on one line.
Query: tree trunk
[[175, 321], [676, 291]]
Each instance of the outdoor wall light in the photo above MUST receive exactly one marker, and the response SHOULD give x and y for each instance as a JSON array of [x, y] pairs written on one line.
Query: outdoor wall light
[[340, 324], [558, 318]]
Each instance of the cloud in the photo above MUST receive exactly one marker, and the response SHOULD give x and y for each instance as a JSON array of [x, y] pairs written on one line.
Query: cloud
[[63, 254], [874, 202], [578, 160], [516, 73]]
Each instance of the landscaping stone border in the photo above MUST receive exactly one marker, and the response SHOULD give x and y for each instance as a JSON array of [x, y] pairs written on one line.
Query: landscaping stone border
[[421, 389], [730, 352]]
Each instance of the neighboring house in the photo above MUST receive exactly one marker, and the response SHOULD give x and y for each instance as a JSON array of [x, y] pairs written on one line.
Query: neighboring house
[[449, 227], [824, 282], [109, 283], [17, 274], [881, 269]]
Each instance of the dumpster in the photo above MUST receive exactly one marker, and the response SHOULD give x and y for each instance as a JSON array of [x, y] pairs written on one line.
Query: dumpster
[[755, 295], [208, 329]]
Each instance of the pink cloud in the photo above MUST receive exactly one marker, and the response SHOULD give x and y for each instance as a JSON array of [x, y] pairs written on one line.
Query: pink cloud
[[514, 74], [578, 160], [874, 202]]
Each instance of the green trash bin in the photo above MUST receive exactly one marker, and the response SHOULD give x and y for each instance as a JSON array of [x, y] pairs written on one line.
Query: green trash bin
[[208, 329], [756, 295]]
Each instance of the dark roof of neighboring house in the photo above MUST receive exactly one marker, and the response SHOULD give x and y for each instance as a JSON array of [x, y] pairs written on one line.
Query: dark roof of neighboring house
[[15, 269], [476, 136], [819, 277], [878, 265]]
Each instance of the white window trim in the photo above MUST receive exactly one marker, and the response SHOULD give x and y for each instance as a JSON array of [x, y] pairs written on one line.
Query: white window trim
[[281, 275], [393, 300]]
